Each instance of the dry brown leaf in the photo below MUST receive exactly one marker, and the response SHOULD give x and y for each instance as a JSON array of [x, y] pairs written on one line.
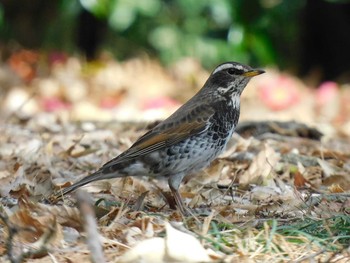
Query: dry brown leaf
[[34, 230], [335, 188], [65, 215], [342, 180], [328, 168], [299, 180], [261, 167]]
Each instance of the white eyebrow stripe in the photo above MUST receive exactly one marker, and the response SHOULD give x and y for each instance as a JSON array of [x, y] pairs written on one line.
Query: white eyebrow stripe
[[222, 67], [227, 66]]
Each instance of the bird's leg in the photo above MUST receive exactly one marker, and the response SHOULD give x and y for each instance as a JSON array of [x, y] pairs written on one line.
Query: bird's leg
[[174, 182]]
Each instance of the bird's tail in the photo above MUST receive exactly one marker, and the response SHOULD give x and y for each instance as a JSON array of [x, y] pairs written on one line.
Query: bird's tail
[[98, 175]]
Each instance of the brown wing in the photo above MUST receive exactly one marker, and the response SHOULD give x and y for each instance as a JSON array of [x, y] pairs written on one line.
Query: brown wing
[[169, 132]]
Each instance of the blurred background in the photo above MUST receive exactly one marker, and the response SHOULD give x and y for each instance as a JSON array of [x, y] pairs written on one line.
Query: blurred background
[[131, 59]]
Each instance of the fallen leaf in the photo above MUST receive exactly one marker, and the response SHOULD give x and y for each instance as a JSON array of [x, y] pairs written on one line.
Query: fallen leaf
[[299, 180], [261, 166]]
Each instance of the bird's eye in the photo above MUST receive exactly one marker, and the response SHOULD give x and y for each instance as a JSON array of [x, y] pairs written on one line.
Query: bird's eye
[[231, 71]]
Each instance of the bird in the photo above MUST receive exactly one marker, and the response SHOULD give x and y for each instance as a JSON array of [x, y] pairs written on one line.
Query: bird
[[188, 140]]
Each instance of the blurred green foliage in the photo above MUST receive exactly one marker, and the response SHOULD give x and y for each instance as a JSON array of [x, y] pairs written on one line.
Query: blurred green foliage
[[1, 15], [254, 31], [257, 32]]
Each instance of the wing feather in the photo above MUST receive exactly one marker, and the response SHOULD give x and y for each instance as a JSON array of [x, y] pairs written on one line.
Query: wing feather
[[169, 132]]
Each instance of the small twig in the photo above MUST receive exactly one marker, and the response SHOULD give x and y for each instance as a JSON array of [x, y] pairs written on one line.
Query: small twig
[[140, 202], [93, 238], [9, 241], [309, 257], [38, 248], [54, 260]]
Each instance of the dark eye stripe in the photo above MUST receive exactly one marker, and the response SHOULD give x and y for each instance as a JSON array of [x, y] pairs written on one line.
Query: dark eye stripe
[[234, 71], [231, 71]]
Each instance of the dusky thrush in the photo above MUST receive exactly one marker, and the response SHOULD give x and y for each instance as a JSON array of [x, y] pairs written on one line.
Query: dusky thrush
[[189, 139]]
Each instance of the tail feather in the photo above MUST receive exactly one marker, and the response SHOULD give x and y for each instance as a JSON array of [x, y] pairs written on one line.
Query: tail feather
[[88, 179]]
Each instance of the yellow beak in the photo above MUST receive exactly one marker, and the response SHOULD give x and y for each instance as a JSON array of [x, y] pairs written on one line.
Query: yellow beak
[[253, 72]]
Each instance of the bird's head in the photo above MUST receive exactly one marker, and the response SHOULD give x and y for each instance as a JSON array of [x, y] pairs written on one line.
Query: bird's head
[[229, 79]]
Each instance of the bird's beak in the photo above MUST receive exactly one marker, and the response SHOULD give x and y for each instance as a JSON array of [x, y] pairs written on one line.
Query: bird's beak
[[253, 72]]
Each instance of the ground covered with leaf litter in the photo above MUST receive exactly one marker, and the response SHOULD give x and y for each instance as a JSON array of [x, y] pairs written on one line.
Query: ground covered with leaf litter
[[279, 193]]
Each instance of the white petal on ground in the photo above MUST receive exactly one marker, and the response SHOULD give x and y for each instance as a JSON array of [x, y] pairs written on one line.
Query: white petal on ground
[[148, 251], [182, 247], [176, 247]]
